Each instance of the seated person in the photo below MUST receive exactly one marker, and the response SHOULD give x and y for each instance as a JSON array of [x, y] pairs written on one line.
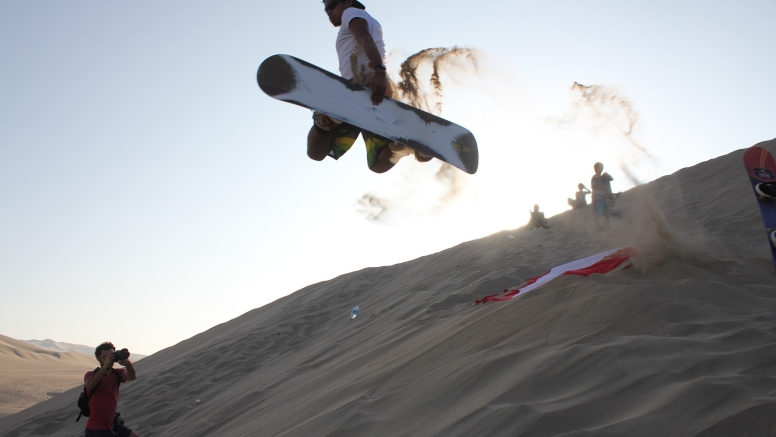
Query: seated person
[[580, 200], [537, 219]]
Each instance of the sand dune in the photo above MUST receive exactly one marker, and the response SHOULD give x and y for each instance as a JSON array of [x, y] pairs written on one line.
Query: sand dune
[[683, 344], [31, 374], [57, 346]]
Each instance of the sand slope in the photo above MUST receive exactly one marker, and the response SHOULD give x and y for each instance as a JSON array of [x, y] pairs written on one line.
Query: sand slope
[[31, 374], [682, 345]]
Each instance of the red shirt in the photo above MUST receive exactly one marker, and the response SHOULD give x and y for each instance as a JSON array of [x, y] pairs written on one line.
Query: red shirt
[[104, 401]]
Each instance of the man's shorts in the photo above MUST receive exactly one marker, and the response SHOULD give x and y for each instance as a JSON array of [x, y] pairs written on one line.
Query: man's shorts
[[346, 134], [600, 208], [119, 430]]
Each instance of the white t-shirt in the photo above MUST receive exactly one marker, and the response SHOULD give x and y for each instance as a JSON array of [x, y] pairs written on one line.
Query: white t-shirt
[[347, 44]]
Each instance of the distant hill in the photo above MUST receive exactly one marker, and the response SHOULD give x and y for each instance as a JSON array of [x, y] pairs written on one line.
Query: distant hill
[[32, 371], [30, 374], [62, 347], [58, 346]]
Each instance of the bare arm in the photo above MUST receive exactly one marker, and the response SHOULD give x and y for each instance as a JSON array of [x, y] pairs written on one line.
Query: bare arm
[[95, 379], [360, 30], [97, 376], [130, 374]]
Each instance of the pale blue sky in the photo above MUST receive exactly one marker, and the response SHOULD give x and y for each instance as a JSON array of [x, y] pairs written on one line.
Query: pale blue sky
[[144, 174]]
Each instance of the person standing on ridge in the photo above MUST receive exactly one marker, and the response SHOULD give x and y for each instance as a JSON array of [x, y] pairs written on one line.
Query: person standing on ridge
[[102, 387], [602, 189], [361, 51]]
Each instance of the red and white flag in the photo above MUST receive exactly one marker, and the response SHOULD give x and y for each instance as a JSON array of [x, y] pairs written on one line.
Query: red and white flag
[[601, 263]]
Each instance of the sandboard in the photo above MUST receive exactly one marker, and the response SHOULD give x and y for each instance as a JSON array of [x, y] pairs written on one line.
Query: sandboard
[[761, 169], [293, 80]]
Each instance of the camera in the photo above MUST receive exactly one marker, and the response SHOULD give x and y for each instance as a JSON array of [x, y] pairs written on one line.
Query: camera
[[122, 354]]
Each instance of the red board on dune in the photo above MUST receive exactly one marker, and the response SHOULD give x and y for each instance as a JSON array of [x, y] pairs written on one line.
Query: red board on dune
[[600, 263], [761, 169]]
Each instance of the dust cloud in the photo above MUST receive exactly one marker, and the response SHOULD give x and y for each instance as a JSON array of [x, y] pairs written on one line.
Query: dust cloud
[[612, 119], [428, 95], [429, 187]]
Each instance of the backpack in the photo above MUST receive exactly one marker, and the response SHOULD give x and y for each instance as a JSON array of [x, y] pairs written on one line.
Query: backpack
[[83, 399]]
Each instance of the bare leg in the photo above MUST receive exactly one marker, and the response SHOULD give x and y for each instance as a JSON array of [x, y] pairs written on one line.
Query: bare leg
[[318, 144], [602, 222], [422, 157], [383, 162]]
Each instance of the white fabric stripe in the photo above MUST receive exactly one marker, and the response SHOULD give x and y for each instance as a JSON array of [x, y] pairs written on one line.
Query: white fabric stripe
[[559, 270]]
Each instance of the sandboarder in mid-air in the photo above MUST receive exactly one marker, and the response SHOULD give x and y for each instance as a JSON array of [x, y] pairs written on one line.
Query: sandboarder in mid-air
[[359, 101], [361, 51]]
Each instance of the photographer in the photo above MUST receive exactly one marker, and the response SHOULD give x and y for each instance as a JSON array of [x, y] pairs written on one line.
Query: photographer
[[102, 387]]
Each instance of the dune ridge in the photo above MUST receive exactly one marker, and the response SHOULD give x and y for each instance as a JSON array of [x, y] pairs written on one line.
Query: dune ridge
[[682, 344]]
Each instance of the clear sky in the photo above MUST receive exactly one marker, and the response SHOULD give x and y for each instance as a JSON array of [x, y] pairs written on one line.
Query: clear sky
[[149, 190]]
